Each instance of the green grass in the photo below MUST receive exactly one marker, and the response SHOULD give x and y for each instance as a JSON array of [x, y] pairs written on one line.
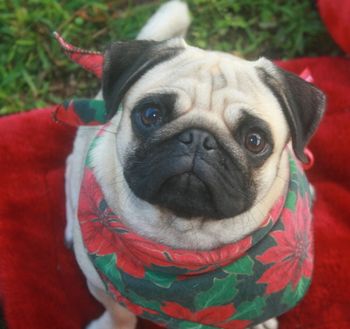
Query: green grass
[[34, 72]]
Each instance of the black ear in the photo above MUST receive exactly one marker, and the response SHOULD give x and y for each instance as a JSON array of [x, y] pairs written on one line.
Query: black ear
[[302, 103], [126, 62]]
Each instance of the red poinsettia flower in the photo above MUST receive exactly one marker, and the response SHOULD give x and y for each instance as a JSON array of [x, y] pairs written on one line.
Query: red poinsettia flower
[[213, 315], [193, 261], [95, 220], [292, 256], [101, 228]]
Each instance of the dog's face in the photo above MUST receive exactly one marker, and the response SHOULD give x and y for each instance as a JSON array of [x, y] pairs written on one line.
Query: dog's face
[[200, 143]]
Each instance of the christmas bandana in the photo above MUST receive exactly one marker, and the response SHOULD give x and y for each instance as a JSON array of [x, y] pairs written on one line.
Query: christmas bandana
[[234, 286]]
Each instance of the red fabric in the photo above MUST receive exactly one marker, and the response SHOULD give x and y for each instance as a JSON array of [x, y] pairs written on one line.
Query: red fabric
[[336, 16], [40, 283]]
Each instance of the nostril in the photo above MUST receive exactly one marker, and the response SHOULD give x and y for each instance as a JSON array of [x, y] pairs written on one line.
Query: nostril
[[186, 137], [197, 137], [209, 143]]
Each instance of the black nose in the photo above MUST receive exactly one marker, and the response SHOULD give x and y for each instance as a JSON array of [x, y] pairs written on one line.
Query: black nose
[[198, 138]]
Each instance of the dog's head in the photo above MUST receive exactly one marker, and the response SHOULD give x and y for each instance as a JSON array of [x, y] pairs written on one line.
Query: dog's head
[[202, 135]]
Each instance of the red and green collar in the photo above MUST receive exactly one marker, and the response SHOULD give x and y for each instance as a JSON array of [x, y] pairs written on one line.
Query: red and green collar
[[234, 286]]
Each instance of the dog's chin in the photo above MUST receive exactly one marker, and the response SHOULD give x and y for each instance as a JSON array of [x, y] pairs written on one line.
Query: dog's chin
[[191, 195], [187, 196]]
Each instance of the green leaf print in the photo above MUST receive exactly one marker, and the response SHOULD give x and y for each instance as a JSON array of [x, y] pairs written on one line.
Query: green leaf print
[[292, 166], [106, 265], [162, 280], [221, 292], [304, 186], [292, 296], [291, 200], [100, 110], [147, 303], [250, 310], [243, 265], [103, 205], [193, 325]]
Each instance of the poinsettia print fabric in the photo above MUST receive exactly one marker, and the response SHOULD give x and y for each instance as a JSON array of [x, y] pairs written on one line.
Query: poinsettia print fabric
[[81, 112], [234, 286], [291, 258]]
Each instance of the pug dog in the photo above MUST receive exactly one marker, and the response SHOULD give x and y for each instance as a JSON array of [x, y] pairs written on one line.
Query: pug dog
[[195, 155]]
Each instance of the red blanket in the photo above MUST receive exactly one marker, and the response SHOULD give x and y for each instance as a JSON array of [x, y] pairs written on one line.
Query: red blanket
[[40, 283]]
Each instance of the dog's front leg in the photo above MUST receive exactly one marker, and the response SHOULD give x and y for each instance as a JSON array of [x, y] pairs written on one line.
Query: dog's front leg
[[115, 316], [269, 324]]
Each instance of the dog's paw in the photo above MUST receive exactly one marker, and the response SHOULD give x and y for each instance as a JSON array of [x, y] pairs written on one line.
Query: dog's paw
[[68, 232], [269, 324], [103, 322], [68, 238], [68, 243]]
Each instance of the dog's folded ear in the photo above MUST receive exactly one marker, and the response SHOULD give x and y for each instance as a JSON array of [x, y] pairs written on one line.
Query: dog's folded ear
[[126, 62], [302, 103]]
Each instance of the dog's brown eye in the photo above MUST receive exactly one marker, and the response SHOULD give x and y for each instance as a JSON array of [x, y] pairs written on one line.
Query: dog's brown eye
[[254, 142], [151, 116]]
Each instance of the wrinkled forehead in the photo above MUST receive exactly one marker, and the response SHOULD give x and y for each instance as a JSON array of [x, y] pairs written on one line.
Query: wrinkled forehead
[[213, 86], [196, 73]]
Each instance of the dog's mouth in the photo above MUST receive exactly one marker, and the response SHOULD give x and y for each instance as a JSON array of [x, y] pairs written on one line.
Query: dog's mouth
[[187, 196], [191, 175], [191, 187]]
